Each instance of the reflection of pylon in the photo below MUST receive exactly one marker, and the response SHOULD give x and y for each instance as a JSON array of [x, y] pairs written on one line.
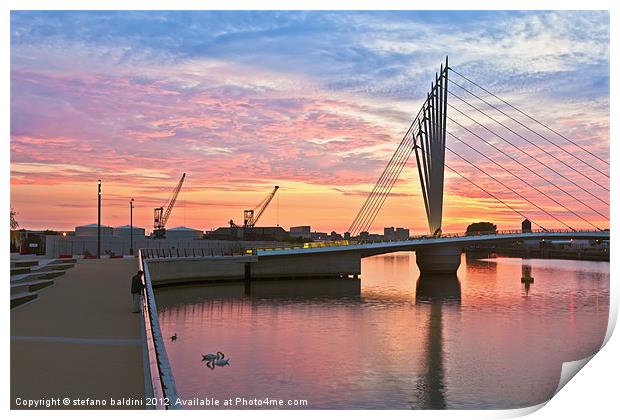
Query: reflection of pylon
[[526, 279]]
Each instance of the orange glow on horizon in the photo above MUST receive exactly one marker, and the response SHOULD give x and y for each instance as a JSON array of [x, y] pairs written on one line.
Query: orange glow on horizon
[[323, 207]]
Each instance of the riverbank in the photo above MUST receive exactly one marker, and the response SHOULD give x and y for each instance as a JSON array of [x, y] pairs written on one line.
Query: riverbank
[[80, 340], [562, 254]]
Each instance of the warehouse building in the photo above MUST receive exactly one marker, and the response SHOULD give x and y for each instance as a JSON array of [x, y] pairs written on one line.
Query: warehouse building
[[91, 230], [125, 231], [183, 233], [268, 233]]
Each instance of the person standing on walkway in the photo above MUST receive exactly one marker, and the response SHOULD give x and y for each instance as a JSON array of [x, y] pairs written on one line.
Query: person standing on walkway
[[136, 292]]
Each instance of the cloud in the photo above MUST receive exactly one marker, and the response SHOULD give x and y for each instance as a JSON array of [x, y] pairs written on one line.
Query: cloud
[[241, 101]]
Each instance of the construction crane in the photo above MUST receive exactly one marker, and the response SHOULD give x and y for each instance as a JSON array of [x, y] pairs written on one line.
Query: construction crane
[[160, 218], [251, 217]]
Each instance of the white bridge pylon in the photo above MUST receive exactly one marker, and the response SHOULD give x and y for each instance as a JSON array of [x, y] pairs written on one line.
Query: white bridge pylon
[[427, 137], [430, 148]]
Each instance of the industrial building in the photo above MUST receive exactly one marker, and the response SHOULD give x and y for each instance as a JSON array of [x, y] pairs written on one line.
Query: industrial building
[[91, 230], [235, 233], [125, 231], [183, 233], [305, 233], [302, 232]]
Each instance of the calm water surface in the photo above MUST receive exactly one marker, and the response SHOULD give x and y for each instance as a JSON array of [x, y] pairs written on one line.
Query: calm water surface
[[393, 340]]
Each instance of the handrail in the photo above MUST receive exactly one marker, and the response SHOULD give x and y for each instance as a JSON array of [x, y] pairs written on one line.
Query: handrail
[[175, 252], [162, 380]]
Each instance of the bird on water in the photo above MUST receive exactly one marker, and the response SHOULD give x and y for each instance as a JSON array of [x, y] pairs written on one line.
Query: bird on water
[[174, 337], [211, 356]]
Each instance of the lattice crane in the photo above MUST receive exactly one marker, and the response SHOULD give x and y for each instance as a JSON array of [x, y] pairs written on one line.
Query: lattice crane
[[251, 217], [160, 216]]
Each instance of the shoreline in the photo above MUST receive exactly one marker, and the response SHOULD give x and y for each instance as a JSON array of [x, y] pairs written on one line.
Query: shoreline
[[552, 254]]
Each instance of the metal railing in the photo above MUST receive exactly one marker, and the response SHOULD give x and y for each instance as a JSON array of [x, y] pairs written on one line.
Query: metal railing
[[148, 253], [164, 395]]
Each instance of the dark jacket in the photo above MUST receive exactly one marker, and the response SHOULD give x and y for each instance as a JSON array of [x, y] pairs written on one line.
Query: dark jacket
[[136, 284]]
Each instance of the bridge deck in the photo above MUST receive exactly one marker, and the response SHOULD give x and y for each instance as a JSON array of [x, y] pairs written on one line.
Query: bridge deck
[[375, 248]]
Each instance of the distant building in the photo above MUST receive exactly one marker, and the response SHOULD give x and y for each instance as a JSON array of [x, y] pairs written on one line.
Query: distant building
[[395, 234], [388, 233], [275, 233], [91, 230], [182, 233], [225, 234], [526, 226], [335, 236], [125, 231], [402, 234], [305, 233], [319, 236], [31, 241], [300, 229], [302, 232]]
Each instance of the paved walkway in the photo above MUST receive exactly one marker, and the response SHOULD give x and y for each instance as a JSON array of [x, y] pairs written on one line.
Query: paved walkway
[[79, 339]]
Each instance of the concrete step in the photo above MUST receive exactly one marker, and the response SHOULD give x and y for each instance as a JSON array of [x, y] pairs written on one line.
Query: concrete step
[[19, 288], [65, 260], [37, 276], [18, 299], [31, 286], [23, 263], [38, 285], [20, 270], [54, 267], [51, 274], [20, 278]]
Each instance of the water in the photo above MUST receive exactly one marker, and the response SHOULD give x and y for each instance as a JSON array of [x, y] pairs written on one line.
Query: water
[[392, 340]]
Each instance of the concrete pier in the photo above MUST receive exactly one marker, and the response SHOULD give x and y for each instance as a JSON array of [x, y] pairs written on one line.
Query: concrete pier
[[438, 259]]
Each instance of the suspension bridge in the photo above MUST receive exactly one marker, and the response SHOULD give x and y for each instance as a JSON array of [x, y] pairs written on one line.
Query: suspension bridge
[[525, 166]]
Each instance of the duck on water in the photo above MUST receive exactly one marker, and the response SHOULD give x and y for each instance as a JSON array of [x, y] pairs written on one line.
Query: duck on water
[[210, 356], [220, 362]]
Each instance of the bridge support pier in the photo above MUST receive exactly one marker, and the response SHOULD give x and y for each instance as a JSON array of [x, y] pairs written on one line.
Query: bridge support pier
[[438, 259]]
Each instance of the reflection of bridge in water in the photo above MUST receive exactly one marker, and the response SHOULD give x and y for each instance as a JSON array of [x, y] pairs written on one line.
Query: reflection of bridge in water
[[437, 291]]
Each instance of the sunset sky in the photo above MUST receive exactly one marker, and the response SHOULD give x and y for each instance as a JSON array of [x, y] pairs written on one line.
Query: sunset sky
[[315, 102]]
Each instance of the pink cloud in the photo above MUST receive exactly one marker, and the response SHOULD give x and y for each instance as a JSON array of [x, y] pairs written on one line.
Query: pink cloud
[[140, 132]]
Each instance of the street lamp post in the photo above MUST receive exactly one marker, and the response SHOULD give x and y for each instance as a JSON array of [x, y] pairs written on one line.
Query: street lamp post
[[131, 226], [99, 219]]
